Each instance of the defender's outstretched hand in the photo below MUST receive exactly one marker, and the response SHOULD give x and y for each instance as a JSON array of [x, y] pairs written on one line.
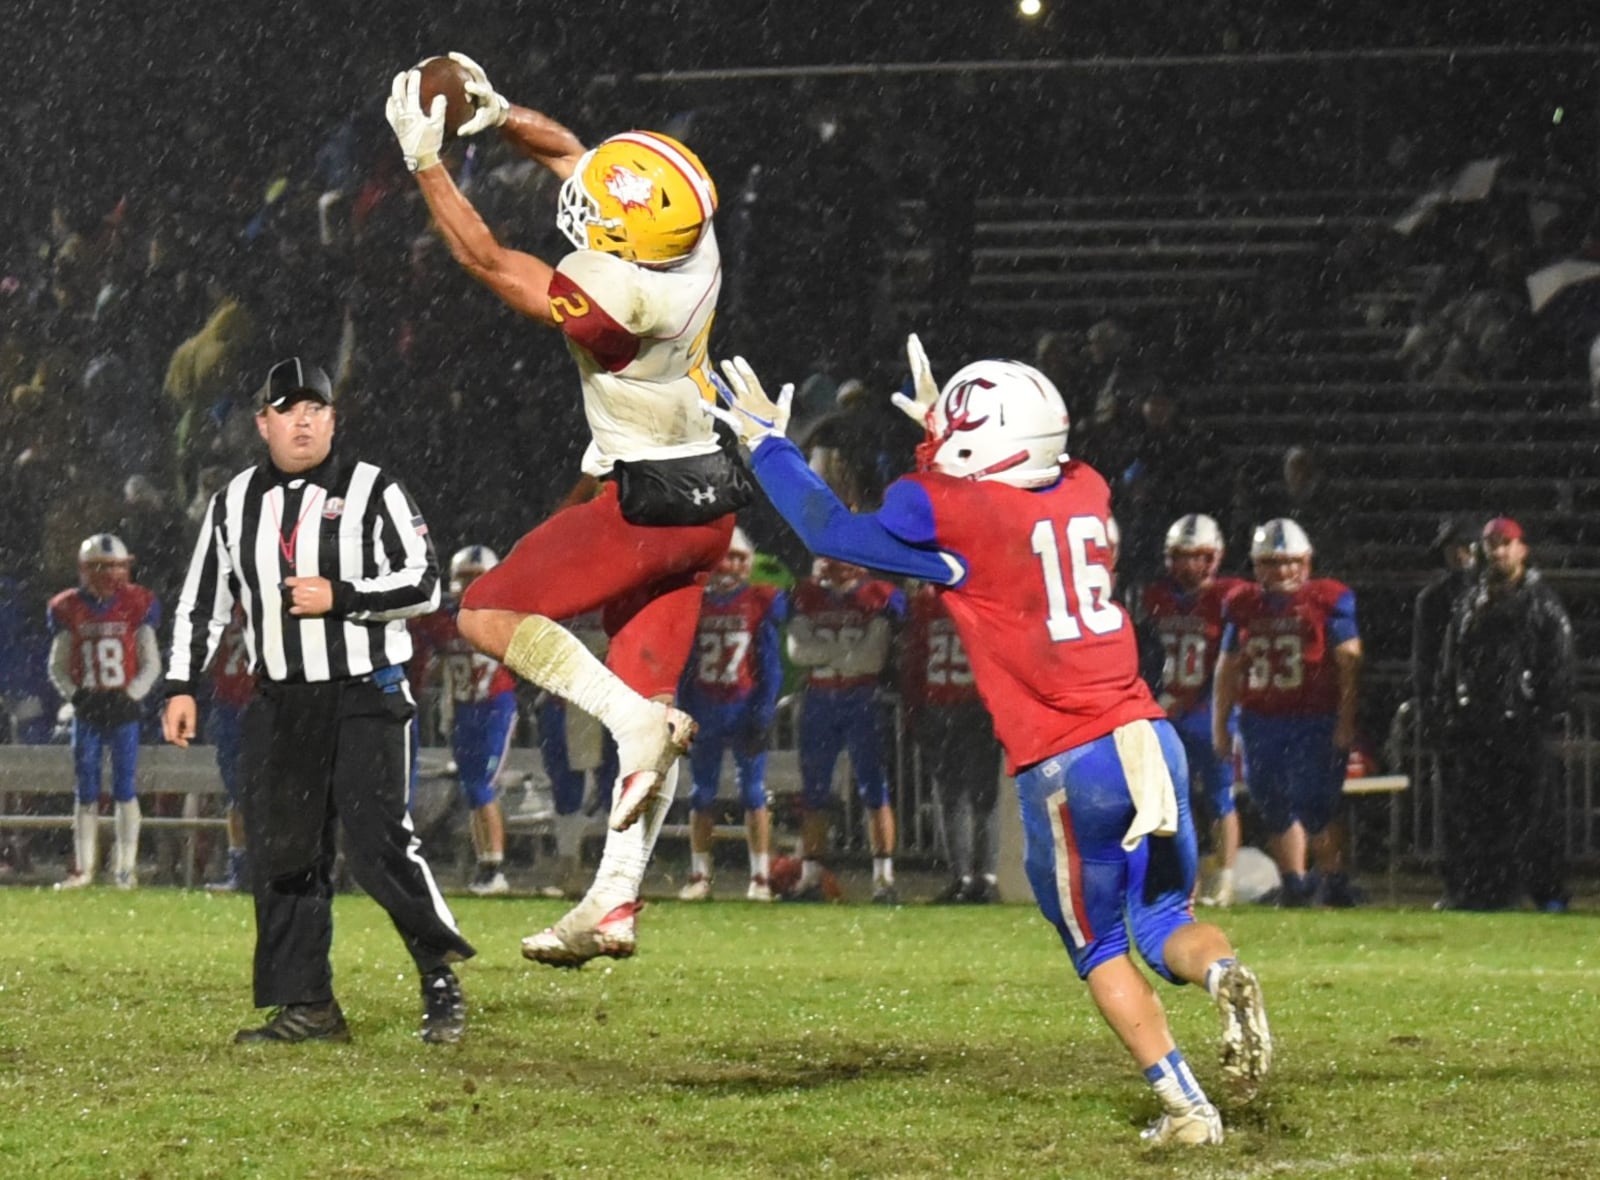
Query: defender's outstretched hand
[[420, 133], [922, 380], [752, 414], [489, 106]]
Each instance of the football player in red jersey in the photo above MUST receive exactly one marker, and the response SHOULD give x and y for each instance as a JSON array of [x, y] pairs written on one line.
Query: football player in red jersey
[[731, 687], [840, 622], [104, 659], [1291, 661], [635, 302], [1016, 535], [232, 686], [1184, 610], [954, 735], [482, 700]]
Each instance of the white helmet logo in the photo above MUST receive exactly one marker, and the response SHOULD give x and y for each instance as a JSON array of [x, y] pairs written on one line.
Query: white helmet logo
[[629, 188]]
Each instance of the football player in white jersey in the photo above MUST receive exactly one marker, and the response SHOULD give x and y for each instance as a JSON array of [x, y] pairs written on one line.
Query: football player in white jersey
[[634, 301]]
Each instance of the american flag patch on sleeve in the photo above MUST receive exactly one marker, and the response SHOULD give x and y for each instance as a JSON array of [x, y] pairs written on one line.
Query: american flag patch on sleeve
[[420, 525]]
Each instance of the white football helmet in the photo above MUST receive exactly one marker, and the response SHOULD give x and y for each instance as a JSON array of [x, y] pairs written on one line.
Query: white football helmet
[[640, 195], [1281, 552], [103, 549], [999, 420], [740, 543], [1280, 537], [468, 563], [1195, 531]]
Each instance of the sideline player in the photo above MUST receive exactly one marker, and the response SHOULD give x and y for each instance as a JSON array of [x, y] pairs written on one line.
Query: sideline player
[[1291, 660], [634, 302], [731, 687], [840, 622], [104, 660], [1184, 609], [232, 686], [1016, 533], [954, 734], [482, 700]]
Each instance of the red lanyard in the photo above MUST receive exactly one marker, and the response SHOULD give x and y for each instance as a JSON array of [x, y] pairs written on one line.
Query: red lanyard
[[291, 545]]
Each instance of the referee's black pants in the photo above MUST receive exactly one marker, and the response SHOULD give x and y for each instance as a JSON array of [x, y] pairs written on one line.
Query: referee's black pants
[[311, 754]]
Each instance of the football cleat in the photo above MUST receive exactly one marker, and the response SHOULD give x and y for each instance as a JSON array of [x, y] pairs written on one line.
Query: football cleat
[[298, 1022], [74, 881], [488, 881], [885, 895], [760, 889], [1200, 1126], [696, 888], [954, 893], [127, 879], [586, 934], [1221, 894], [650, 756], [1246, 1039], [444, 1009]]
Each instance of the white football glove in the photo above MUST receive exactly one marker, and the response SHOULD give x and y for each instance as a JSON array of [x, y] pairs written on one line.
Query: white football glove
[[421, 133], [490, 107], [752, 414], [922, 380]]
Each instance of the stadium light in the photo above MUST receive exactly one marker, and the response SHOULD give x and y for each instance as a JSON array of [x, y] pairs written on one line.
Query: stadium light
[[1030, 8]]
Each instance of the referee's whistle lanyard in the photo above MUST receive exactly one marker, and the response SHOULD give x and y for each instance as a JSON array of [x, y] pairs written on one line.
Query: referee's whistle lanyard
[[290, 546]]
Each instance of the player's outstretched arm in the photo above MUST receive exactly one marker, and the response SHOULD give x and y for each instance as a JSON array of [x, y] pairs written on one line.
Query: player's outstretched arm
[[533, 133]]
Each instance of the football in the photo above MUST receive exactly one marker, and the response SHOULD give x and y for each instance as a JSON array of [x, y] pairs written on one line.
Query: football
[[440, 75]]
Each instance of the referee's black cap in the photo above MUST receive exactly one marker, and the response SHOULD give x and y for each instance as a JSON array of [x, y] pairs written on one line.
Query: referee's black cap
[[295, 380]]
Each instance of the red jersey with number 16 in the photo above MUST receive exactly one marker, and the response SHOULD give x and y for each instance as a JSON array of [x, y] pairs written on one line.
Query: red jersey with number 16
[[1054, 656]]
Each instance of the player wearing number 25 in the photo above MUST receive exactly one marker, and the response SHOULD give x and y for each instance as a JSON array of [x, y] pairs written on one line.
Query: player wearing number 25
[[1015, 533], [1291, 656], [104, 659]]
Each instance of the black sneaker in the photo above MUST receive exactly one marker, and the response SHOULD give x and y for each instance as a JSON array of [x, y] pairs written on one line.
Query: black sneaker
[[953, 893], [885, 895], [299, 1022], [981, 891], [444, 1009]]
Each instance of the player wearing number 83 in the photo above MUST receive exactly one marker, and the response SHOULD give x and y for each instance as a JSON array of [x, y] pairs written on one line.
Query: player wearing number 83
[[1291, 656], [1015, 533]]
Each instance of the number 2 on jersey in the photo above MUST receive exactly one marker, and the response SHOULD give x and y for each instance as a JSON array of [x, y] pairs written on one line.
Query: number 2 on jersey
[[1091, 581]]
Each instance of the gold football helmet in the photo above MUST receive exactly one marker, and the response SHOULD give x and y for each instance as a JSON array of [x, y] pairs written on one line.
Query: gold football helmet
[[640, 195]]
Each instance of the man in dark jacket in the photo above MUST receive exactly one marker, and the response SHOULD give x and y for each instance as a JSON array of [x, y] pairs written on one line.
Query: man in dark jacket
[[1505, 684], [1456, 547]]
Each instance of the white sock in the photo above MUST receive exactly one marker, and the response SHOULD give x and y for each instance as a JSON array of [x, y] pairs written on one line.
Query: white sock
[[125, 822], [700, 864], [546, 653], [627, 854], [86, 836], [810, 873], [1224, 880], [760, 863], [492, 860], [1213, 975], [883, 870]]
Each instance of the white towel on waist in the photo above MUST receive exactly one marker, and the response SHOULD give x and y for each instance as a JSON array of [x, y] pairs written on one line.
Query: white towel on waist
[[1155, 802]]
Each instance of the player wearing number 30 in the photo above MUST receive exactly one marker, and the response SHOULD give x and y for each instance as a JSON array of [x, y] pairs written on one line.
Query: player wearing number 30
[[1184, 610], [1291, 657], [104, 659], [1015, 532]]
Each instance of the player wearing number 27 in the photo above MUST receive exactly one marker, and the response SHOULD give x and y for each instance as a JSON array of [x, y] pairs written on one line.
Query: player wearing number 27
[[634, 302], [1291, 658], [1015, 533], [105, 659]]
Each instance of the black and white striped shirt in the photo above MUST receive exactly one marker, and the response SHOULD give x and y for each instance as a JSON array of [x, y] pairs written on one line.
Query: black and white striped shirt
[[349, 523]]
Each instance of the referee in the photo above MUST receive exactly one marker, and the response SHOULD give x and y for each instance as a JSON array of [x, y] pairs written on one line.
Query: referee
[[328, 558]]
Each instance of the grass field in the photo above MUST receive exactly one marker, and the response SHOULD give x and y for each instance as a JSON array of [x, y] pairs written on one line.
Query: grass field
[[783, 1041]]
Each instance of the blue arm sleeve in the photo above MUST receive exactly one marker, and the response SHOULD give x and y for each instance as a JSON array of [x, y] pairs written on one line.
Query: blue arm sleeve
[[897, 540], [1230, 637], [1342, 619]]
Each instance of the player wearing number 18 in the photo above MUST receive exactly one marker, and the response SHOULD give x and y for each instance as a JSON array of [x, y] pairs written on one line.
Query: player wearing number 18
[[1291, 657], [1015, 533], [104, 660]]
